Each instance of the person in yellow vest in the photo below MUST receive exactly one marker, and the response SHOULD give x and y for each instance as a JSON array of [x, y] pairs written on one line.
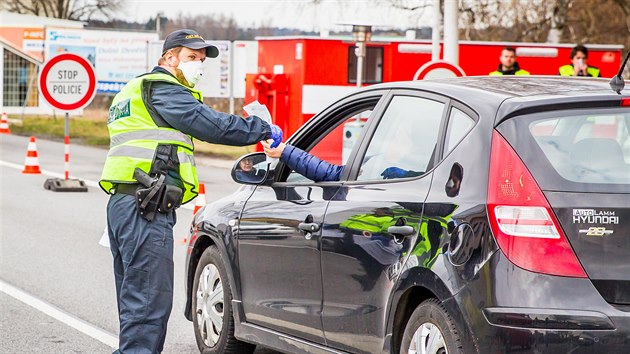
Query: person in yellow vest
[[579, 65], [508, 64], [150, 171]]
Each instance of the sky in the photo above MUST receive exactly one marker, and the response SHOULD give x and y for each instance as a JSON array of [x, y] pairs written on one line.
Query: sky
[[301, 14]]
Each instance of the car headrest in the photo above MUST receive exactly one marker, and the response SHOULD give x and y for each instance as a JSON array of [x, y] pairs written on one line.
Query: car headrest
[[598, 153]]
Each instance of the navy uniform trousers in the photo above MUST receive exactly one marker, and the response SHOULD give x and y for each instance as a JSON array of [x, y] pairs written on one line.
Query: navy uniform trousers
[[143, 269]]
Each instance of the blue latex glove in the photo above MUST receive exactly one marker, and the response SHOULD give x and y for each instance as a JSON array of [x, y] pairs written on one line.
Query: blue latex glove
[[394, 172], [276, 135]]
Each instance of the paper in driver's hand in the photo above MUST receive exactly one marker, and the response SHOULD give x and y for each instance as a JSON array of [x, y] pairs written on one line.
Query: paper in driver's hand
[[257, 109]]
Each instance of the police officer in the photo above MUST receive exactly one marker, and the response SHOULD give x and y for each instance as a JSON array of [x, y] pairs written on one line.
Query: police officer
[[150, 171], [508, 64], [578, 66]]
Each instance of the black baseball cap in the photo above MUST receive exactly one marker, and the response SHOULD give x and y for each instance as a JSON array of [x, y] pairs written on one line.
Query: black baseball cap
[[190, 39]]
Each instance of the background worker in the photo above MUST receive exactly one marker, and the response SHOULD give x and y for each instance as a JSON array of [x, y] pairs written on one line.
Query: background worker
[[508, 64], [579, 65], [151, 124]]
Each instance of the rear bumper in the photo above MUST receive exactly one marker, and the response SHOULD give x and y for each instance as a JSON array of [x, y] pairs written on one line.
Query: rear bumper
[[514, 339], [557, 331], [513, 310]]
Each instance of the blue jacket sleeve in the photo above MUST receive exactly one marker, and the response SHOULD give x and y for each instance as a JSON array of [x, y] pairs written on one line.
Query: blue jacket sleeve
[[183, 112], [310, 166]]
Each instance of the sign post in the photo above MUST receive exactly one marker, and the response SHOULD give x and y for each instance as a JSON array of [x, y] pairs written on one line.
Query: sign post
[[67, 82]]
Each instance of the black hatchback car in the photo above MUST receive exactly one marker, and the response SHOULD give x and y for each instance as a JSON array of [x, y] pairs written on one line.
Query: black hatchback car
[[511, 235]]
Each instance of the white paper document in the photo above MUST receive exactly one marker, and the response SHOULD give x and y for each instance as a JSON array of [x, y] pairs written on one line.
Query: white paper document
[[257, 109], [260, 110], [104, 241]]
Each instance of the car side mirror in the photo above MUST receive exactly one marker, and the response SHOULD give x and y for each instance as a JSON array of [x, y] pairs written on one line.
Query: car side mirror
[[251, 169]]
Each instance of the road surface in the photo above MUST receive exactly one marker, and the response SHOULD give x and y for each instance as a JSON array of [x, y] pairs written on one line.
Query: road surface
[[56, 284]]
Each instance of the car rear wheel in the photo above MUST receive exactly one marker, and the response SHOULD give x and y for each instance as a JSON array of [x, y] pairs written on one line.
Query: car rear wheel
[[430, 330], [211, 300]]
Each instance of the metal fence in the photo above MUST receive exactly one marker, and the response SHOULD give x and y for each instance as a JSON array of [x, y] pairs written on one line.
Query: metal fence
[[19, 81]]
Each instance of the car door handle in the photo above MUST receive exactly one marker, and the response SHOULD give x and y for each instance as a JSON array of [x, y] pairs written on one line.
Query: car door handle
[[404, 230], [308, 226]]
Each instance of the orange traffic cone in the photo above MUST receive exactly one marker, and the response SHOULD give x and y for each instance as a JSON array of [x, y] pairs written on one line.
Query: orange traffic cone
[[4, 125], [31, 163], [200, 201]]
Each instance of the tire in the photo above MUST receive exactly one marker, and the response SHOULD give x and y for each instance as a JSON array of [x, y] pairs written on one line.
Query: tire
[[432, 327], [211, 306]]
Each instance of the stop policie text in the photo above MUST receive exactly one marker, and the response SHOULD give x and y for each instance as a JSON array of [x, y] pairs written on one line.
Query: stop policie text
[[69, 88]]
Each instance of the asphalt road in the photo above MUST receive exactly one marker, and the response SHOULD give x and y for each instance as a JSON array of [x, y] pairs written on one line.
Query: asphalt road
[[54, 276]]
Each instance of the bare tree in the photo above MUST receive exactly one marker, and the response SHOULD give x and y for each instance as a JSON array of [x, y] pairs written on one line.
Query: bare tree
[[210, 27], [624, 5], [552, 21], [64, 9], [558, 16], [598, 21]]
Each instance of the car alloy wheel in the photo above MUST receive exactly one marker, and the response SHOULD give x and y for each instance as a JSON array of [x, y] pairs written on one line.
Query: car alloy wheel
[[428, 339], [431, 330], [210, 305]]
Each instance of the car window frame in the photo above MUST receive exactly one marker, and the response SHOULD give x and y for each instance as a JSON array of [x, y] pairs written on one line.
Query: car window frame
[[372, 125], [312, 133], [467, 111]]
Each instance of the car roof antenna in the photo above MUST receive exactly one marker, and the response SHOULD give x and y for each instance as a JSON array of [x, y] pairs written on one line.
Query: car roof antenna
[[616, 83]]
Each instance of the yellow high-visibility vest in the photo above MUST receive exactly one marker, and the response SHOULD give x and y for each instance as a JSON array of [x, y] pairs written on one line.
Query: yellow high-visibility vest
[[518, 73], [567, 70], [135, 135]]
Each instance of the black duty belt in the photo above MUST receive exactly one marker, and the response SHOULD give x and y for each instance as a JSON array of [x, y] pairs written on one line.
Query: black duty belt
[[126, 188]]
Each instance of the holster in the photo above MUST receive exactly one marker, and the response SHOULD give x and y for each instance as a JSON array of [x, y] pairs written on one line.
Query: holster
[[162, 192]]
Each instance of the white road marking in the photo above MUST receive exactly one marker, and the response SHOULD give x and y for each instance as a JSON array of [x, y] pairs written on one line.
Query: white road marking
[[87, 328], [48, 173], [189, 206]]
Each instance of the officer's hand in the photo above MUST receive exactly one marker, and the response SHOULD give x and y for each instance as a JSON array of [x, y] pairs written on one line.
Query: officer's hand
[[394, 172], [276, 135], [272, 152]]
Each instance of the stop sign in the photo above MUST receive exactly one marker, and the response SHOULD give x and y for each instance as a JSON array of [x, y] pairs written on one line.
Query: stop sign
[[438, 69], [67, 82]]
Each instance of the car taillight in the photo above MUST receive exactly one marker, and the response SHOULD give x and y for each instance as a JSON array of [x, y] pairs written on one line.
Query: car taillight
[[521, 219], [625, 102]]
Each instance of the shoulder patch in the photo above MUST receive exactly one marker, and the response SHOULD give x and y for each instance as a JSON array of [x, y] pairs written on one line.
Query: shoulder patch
[[121, 109]]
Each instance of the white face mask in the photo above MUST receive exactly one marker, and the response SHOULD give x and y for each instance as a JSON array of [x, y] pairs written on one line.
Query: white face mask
[[192, 70]]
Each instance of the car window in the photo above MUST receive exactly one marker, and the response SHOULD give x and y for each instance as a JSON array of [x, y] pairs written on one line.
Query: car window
[[459, 124], [405, 140], [592, 148], [336, 146]]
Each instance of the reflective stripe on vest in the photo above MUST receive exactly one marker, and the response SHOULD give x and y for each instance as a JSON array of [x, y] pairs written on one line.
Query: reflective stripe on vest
[[147, 154], [151, 134], [135, 135]]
